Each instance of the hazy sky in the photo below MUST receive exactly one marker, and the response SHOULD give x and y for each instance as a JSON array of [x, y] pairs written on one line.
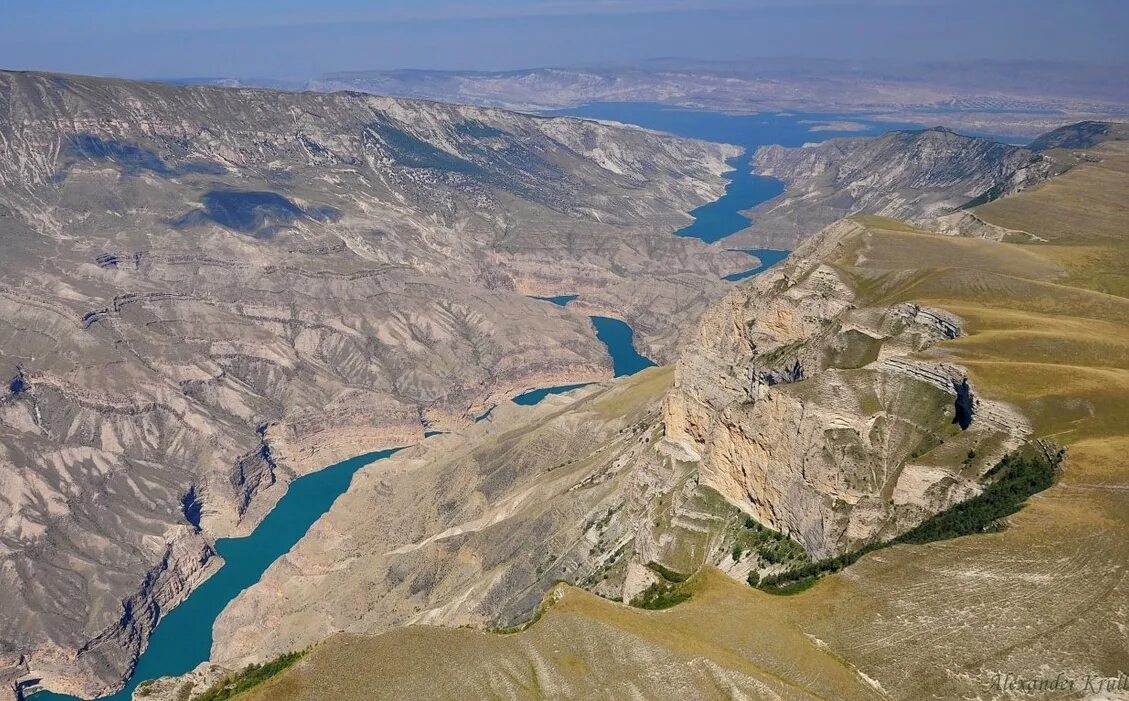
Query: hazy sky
[[298, 39]]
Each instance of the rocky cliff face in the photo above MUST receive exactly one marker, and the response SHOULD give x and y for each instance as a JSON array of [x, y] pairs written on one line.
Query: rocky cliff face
[[470, 530], [903, 174], [206, 292], [803, 403]]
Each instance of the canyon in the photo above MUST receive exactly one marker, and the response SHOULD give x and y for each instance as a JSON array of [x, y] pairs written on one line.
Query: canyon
[[872, 379], [211, 292]]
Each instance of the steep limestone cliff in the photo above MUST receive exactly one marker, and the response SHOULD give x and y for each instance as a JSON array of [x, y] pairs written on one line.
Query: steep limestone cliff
[[806, 406]]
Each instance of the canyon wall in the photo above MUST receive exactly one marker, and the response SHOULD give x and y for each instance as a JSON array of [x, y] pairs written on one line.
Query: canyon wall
[[207, 292]]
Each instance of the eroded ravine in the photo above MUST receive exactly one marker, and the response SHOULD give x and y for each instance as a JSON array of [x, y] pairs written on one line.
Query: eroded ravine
[[183, 638]]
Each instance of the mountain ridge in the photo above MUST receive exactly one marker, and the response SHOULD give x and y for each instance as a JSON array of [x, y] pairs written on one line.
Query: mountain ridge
[[915, 174]]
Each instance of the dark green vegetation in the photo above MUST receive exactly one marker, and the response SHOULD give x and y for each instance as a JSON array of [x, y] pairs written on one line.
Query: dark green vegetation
[[669, 591], [772, 547], [667, 573], [251, 676], [748, 538], [410, 151], [1007, 487], [996, 191], [660, 595], [989, 195], [132, 158]]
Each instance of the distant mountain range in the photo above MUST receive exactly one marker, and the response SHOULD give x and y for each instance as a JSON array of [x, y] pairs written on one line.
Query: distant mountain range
[[1002, 97]]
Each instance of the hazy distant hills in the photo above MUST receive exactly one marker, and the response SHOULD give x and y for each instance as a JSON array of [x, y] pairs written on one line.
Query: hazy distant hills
[[1003, 97]]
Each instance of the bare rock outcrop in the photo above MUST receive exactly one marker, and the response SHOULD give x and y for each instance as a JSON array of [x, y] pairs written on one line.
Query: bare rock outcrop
[[808, 409], [901, 174]]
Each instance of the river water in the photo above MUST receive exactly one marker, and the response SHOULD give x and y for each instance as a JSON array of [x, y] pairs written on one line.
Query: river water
[[716, 220], [616, 336], [183, 638]]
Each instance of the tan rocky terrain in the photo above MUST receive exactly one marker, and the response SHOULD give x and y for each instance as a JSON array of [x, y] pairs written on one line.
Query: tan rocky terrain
[[841, 397], [807, 405], [917, 175], [206, 292]]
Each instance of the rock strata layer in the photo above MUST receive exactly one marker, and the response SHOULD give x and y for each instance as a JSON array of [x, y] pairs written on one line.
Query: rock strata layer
[[902, 174], [807, 406]]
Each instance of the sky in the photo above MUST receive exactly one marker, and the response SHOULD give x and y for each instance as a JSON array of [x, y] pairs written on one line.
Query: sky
[[303, 39]]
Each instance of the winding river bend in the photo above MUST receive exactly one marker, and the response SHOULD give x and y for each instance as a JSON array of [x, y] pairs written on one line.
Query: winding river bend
[[714, 221], [616, 336], [183, 638]]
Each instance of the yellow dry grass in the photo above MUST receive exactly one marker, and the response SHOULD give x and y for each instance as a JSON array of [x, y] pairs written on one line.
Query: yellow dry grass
[[1087, 205], [635, 392], [1048, 329], [587, 647]]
